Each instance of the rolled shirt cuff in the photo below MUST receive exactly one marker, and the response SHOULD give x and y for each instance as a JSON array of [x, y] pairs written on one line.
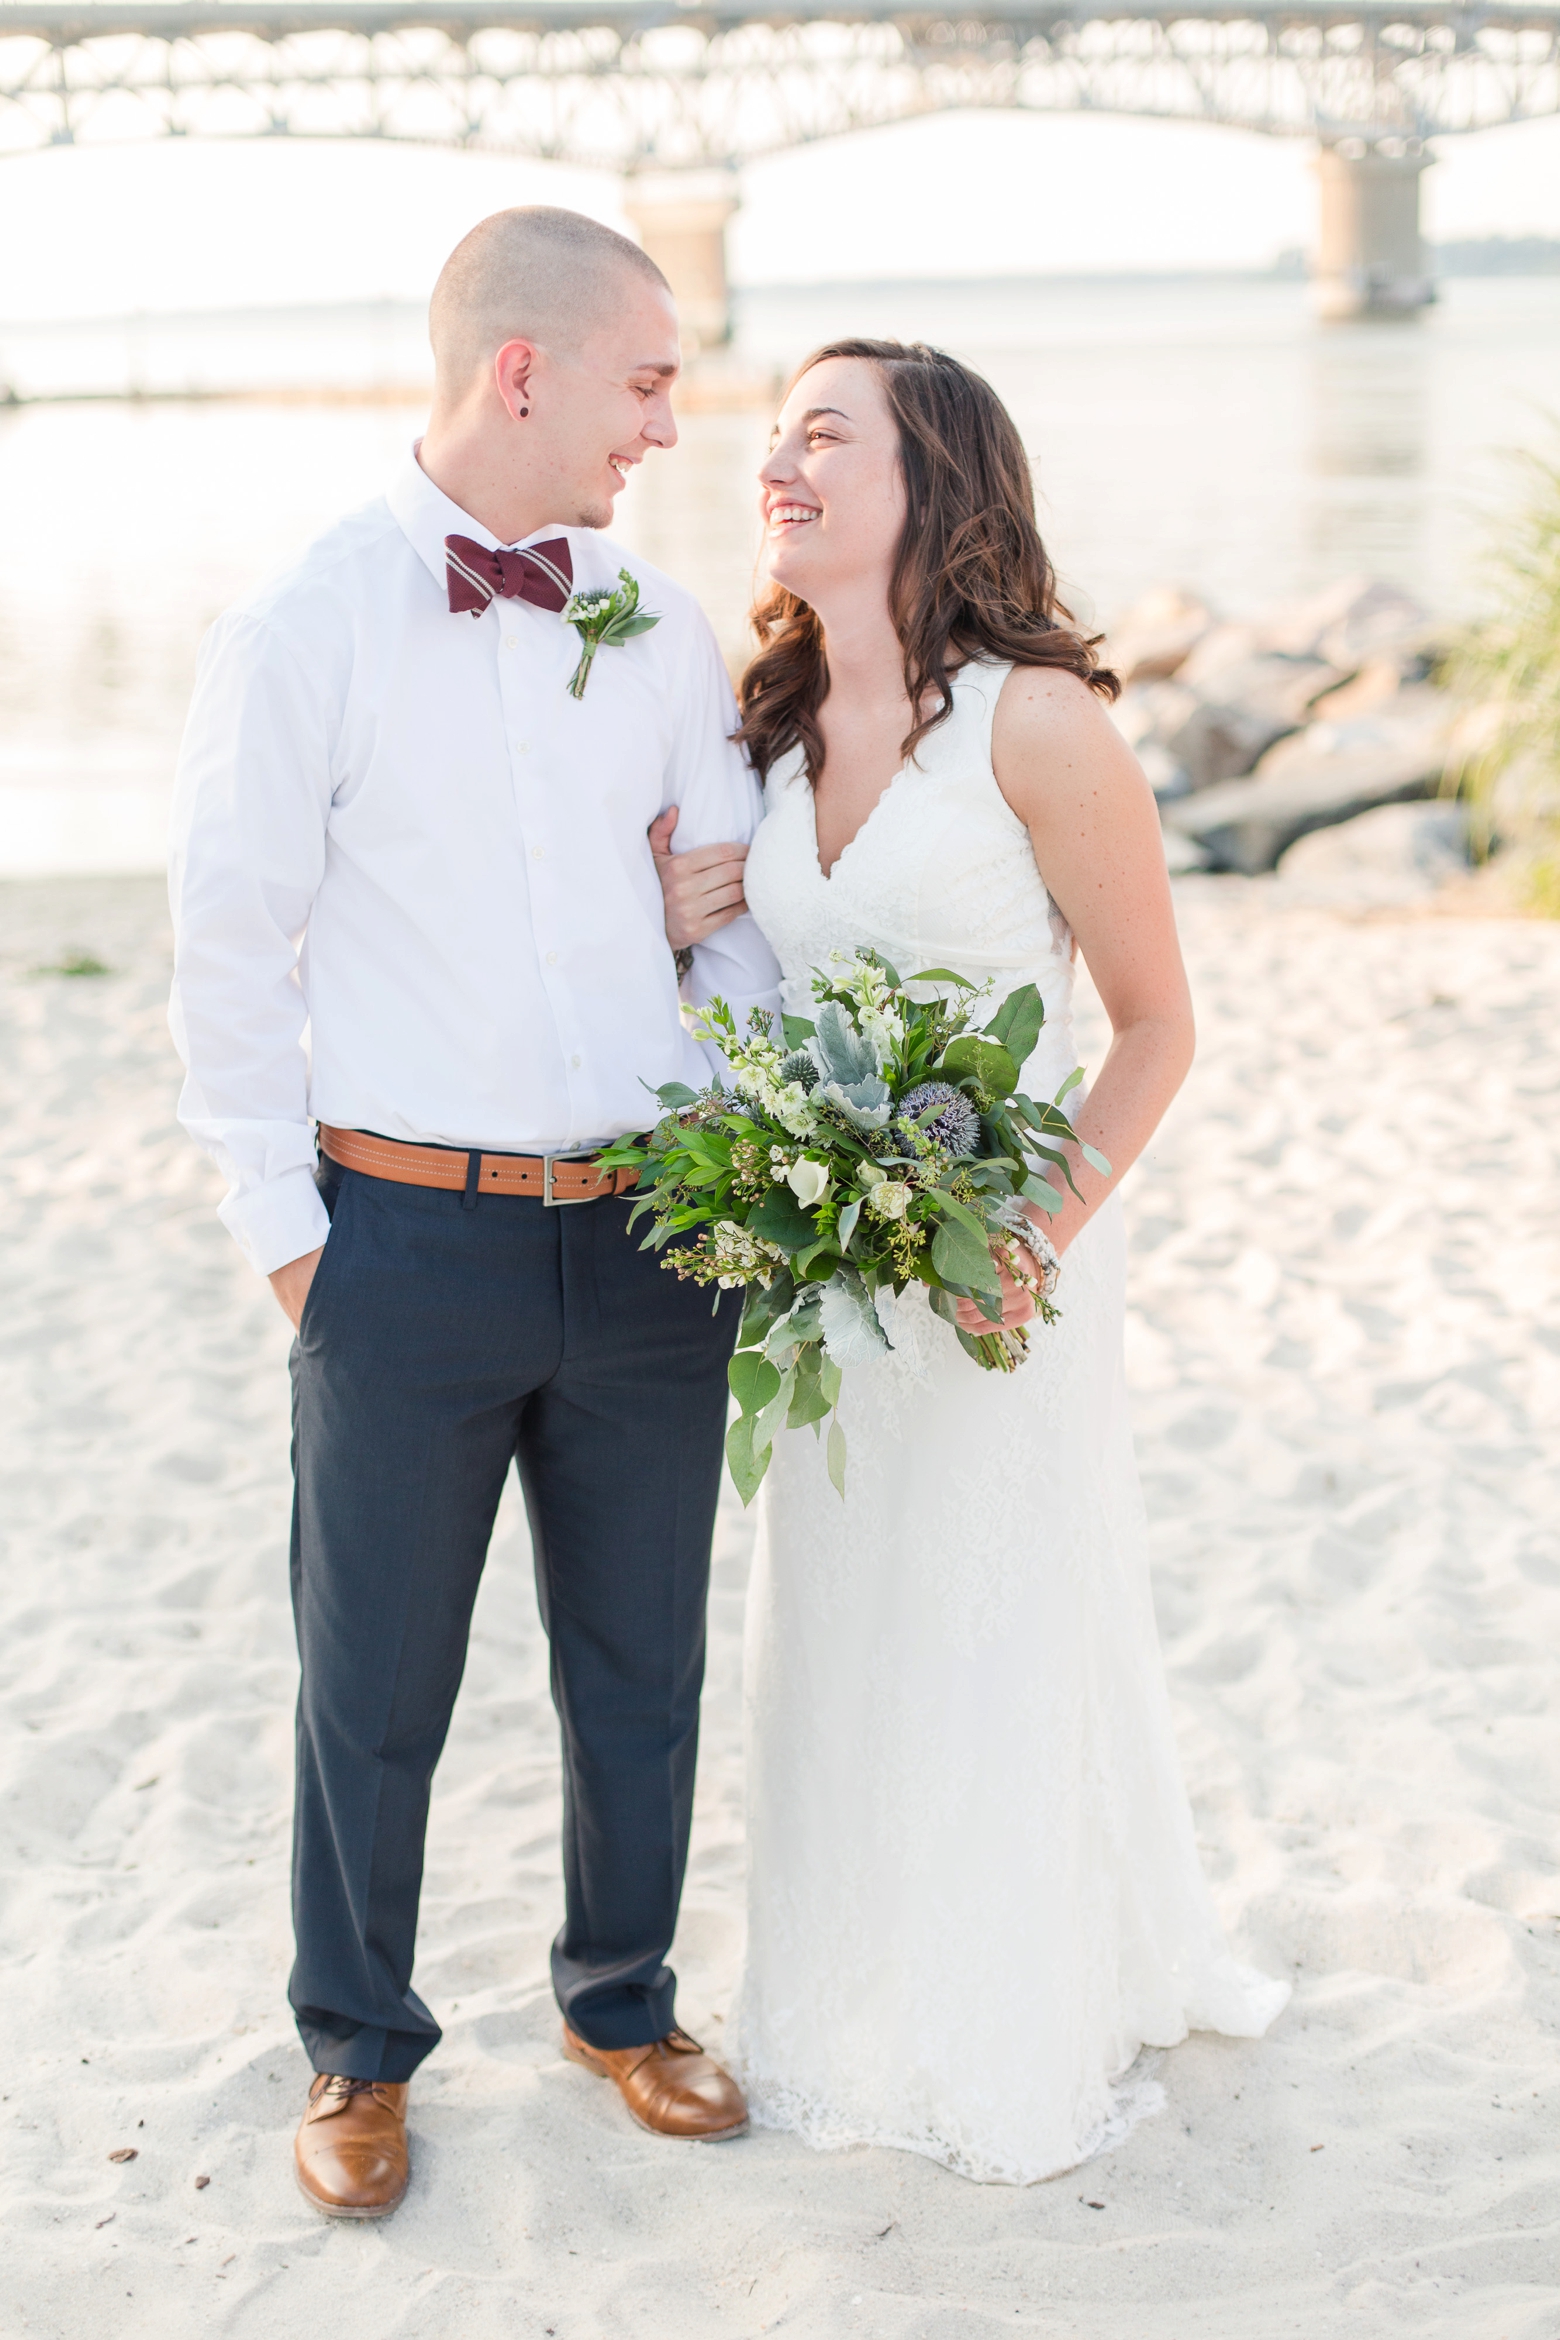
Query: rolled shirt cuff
[[277, 1221]]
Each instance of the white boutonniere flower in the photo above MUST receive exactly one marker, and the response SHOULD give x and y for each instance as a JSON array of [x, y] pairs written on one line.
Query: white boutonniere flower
[[604, 614]]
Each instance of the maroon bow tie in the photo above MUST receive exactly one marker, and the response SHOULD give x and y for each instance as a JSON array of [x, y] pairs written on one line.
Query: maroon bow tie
[[543, 574]]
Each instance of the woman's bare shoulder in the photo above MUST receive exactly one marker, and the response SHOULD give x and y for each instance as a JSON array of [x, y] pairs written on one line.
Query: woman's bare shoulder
[[1052, 737]]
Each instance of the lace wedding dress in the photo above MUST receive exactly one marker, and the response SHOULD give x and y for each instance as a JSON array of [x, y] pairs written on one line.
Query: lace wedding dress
[[974, 1891]]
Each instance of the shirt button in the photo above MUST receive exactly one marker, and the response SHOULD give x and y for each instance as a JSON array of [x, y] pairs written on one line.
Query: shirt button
[[522, 747], [537, 853], [575, 1061], [552, 958], [509, 641]]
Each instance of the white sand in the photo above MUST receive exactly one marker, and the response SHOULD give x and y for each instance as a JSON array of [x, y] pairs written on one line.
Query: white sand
[[1346, 1351]]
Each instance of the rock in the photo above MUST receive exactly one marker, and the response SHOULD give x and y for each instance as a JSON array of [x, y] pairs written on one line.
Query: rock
[[1152, 637], [1151, 710], [1168, 779], [1377, 681], [1221, 648], [1142, 715], [1320, 777], [1381, 617], [1218, 742], [1247, 707], [1399, 853], [1356, 619], [1182, 857]]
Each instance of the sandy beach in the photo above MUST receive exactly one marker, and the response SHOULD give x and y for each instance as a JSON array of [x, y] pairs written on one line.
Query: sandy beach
[[1344, 1343]]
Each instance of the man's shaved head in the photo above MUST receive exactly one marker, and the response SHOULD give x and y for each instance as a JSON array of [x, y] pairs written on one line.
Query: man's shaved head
[[534, 274]]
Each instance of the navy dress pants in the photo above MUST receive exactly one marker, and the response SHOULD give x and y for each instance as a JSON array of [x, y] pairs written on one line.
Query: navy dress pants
[[440, 1339]]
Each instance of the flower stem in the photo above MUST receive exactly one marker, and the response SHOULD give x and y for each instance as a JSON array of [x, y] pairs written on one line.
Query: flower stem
[[1005, 1351], [581, 674]]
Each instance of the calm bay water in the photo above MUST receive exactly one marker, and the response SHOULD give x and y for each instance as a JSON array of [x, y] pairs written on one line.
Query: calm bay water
[[1205, 431]]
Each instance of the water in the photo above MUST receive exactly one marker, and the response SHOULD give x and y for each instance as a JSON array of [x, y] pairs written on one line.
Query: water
[[1201, 430]]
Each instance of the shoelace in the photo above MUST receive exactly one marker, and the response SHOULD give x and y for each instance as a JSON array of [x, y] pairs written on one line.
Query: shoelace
[[340, 2087]]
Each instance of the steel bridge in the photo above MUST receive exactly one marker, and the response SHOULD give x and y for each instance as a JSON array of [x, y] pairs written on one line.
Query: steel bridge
[[679, 97]]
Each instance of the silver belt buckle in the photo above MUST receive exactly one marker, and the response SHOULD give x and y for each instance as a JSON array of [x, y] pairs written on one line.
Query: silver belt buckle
[[559, 1202]]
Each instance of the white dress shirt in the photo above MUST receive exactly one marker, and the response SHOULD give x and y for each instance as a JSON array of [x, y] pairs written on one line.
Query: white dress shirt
[[412, 889]]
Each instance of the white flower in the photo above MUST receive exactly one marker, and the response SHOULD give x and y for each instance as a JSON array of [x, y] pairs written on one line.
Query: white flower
[[884, 1029], [742, 1258], [586, 604], [808, 1181], [890, 1199]]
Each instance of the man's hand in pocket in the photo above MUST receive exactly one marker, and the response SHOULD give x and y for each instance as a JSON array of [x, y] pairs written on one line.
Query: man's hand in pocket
[[291, 1284]]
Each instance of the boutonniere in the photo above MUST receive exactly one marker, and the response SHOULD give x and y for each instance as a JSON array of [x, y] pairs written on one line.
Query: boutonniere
[[602, 614]]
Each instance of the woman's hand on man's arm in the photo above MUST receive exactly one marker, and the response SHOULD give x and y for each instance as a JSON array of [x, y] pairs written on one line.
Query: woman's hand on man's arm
[[702, 888]]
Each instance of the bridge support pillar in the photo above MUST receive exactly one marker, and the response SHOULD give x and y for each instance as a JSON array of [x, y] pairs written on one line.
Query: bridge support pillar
[[680, 218], [1370, 256]]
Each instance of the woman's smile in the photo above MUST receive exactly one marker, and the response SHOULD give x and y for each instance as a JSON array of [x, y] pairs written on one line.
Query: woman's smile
[[786, 515]]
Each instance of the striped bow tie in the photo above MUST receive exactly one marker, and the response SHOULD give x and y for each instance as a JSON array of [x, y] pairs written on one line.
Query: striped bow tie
[[543, 574]]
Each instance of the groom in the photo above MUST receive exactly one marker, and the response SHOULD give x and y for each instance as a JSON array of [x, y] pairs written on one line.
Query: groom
[[416, 906]]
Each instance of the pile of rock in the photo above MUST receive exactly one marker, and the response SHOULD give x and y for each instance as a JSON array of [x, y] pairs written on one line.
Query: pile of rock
[[1254, 735]]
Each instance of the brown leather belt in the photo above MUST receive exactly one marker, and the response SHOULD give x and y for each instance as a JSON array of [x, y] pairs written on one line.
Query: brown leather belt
[[552, 1178]]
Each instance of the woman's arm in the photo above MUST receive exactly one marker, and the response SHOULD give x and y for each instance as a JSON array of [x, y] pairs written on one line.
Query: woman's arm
[[1079, 790]]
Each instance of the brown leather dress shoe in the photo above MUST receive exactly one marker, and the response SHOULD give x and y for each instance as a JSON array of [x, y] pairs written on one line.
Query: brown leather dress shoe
[[672, 2088], [350, 2153]]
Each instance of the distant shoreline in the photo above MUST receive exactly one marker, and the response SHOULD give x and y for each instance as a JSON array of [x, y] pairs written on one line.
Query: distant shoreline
[[1484, 257]]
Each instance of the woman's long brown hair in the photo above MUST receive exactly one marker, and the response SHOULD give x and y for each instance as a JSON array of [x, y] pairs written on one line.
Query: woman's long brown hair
[[971, 578]]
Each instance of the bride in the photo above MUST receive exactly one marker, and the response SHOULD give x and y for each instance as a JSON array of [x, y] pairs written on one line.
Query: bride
[[974, 1891]]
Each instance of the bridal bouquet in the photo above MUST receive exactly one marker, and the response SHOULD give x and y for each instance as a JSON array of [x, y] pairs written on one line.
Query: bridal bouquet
[[880, 1144]]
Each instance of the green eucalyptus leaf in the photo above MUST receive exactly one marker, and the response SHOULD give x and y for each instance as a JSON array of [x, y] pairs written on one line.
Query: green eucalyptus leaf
[[847, 1225], [753, 1380], [1094, 1158], [781, 1219], [1071, 1082], [747, 1468], [675, 1093], [830, 1377], [808, 1402], [797, 1030], [836, 1453], [962, 1258], [966, 1218], [944, 975], [982, 1061], [1038, 1190], [1017, 1022], [768, 1423], [766, 1304]]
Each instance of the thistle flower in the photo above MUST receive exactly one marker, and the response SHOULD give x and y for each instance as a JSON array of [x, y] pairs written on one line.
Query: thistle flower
[[956, 1128], [798, 1066]]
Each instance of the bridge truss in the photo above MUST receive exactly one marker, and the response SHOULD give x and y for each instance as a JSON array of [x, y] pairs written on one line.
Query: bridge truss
[[630, 85]]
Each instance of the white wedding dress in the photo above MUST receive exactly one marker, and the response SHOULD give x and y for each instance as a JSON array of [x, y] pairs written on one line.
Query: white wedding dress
[[974, 1891]]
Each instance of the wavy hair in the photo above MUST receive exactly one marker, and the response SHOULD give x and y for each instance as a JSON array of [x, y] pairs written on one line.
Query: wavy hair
[[971, 578]]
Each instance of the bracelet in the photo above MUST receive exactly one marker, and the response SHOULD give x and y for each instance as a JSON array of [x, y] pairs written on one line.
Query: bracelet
[[1044, 1253], [683, 961]]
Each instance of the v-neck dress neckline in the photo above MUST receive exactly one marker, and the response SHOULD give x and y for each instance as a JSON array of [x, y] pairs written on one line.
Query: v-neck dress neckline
[[859, 832]]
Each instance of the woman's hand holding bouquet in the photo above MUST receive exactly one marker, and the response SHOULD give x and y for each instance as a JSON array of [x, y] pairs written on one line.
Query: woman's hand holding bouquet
[[884, 1143]]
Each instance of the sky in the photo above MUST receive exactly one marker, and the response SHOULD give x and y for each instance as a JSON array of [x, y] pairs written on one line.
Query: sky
[[95, 232]]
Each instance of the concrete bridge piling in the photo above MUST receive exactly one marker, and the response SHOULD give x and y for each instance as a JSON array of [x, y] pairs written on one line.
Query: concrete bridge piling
[[680, 218], [1370, 258]]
